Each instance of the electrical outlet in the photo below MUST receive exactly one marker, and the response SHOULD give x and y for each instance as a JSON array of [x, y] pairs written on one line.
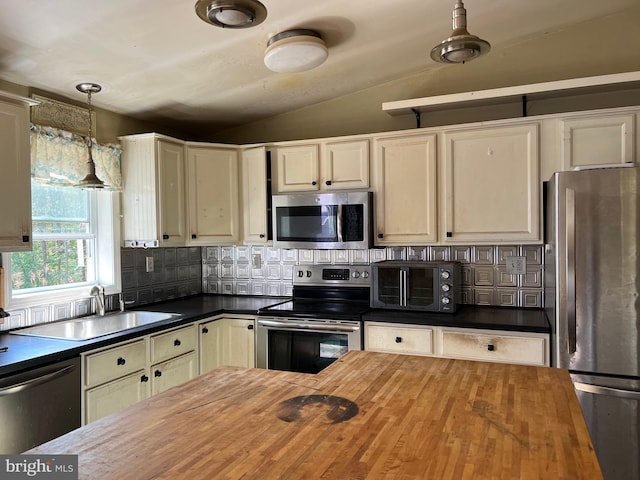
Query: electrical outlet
[[516, 265], [149, 264]]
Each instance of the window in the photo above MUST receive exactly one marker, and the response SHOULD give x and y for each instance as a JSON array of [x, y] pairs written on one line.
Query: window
[[75, 245]]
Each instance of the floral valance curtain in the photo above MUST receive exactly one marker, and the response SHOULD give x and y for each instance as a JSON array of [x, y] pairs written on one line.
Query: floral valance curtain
[[60, 158]]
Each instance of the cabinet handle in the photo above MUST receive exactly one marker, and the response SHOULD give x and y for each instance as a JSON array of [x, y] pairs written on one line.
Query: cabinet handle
[[121, 361], [381, 235], [250, 327], [194, 236], [314, 183], [398, 339], [176, 343], [144, 379], [262, 235], [328, 182], [205, 330], [491, 347], [157, 373], [165, 237]]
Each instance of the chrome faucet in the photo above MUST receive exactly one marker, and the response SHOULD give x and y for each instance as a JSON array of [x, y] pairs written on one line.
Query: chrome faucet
[[97, 292]]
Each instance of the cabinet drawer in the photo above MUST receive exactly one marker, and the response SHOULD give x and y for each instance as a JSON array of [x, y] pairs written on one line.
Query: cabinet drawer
[[496, 348], [115, 396], [173, 343], [394, 339], [115, 362]]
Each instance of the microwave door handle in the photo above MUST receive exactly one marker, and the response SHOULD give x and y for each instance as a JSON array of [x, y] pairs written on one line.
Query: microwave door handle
[[339, 222]]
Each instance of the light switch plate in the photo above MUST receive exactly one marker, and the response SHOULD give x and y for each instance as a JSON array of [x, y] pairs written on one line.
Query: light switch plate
[[149, 264], [516, 265]]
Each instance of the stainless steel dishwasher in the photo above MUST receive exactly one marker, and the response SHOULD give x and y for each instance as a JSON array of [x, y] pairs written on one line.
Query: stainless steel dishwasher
[[38, 405]]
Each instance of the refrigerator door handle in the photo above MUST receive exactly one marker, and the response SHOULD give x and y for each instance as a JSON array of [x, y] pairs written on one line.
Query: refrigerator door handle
[[600, 390], [570, 268]]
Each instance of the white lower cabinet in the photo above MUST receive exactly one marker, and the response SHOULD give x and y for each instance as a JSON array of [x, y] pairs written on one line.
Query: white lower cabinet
[[227, 341], [118, 376], [394, 338], [462, 343]]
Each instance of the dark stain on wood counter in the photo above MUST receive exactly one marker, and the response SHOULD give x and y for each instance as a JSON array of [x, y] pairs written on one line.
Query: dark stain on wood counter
[[417, 417]]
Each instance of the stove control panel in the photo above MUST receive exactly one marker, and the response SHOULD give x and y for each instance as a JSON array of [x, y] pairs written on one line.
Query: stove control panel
[[356, 275]]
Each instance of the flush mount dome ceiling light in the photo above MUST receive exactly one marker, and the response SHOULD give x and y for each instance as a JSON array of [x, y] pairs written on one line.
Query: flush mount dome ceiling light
[[295, 51], [461, 46], [231, 13]]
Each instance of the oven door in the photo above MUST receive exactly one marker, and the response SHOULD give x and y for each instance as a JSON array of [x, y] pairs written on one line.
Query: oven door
[[304, 345]]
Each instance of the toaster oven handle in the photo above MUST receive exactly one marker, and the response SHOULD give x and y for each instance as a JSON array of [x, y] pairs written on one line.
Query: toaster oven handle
[[339, 222]]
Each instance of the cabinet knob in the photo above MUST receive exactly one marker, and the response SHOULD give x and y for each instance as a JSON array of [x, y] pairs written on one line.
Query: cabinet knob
[[328, 182], [205, 330], [157, 373], [449, 234], [165, 237], [491, 347], [177, 343], [25, 239], [144, 379], [398, 339], [194, 236], [314, 183], [121, 361], [381, 235], [250, 327], [262, 235]]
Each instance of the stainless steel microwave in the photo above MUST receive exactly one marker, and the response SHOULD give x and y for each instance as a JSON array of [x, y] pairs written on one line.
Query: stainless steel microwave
[[323, 221], [412, 285]]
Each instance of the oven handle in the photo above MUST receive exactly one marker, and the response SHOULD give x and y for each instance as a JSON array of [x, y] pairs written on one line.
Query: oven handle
[[274, 324]]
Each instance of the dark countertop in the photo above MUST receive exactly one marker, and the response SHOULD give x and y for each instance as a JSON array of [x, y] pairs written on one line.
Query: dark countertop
[[28, 352], [470, 316]]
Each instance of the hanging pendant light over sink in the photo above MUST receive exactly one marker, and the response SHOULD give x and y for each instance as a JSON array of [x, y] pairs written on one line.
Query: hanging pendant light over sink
[[461, 46], [90, 180]]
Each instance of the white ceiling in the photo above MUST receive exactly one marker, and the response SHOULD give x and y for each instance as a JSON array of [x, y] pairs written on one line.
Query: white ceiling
[[158, 61]]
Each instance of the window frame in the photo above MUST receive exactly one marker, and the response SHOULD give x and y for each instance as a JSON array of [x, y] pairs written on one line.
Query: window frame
[[105, 212]]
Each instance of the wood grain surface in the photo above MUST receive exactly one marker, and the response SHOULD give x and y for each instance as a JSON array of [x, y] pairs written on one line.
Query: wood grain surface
[[416, 417]]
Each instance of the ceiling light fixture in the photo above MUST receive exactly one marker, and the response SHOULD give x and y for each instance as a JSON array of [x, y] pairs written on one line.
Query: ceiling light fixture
[[460, 47], [295, 51], [231, 13], [90, 180]]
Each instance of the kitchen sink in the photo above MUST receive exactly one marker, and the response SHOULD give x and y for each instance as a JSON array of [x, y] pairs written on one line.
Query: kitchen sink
[[86, 328]]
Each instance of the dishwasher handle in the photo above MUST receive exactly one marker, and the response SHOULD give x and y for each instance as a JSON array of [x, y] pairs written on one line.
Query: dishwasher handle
[[35, 381]]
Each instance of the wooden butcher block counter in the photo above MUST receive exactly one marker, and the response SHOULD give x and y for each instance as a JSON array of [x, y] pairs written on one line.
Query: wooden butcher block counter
[[369, 415]]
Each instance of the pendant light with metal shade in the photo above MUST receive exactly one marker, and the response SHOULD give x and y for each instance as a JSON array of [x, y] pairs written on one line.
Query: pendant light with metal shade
[[90, 180], [461, 46]]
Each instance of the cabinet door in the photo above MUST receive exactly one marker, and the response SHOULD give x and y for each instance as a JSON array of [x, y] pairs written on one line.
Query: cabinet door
[[345, 165], [171, 201], [15, 179], [227, 341], [398, 338], [213, 196], [116, 395], [173, 372], [297, 169], [254, 195], [597, 140], [405, 190], [491, 187]]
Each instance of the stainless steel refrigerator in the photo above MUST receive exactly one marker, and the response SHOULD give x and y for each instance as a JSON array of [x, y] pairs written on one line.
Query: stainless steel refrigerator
[[592, 297]]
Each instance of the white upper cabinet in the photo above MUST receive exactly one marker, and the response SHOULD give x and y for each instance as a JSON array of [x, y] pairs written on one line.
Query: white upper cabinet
[[213, 195], [297, 169], [491, 188], [597, 140], [345, 165], [254, 195], [15, 179], [330, 165], [405, 186], [153, 201]]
